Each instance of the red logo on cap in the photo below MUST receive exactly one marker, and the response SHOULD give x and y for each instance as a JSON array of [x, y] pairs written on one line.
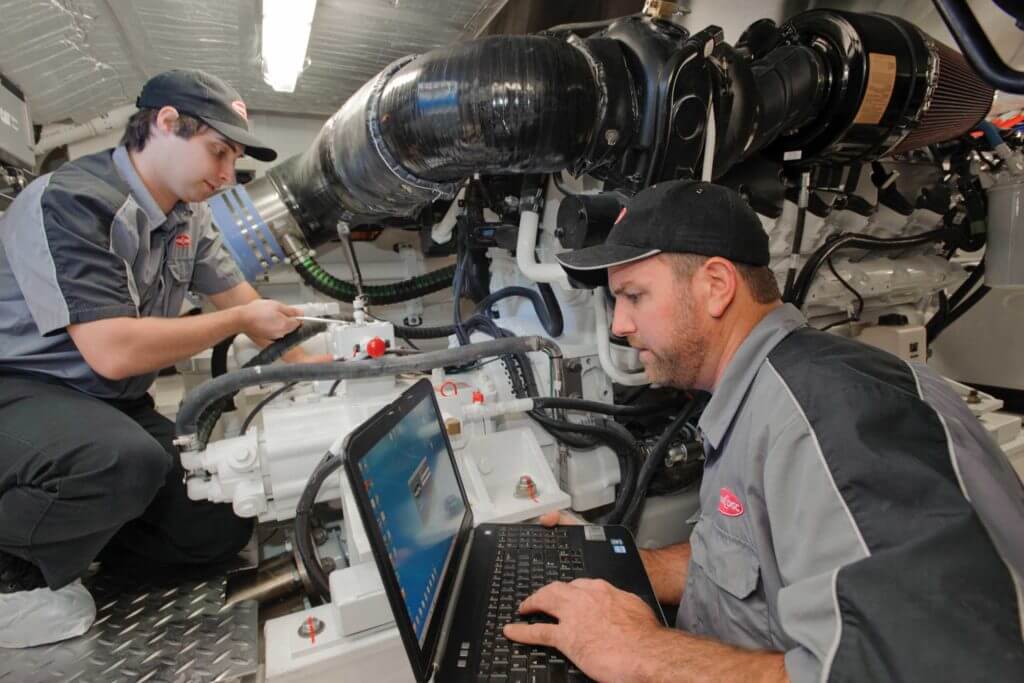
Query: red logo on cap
[[183, 240], [728, 504], [239, 107], [622, 214]]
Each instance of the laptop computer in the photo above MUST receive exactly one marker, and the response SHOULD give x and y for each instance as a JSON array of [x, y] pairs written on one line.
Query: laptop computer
[[451, 586]]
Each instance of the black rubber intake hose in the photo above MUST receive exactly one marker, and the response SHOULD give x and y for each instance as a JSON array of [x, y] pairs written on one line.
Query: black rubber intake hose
[[199, 400], [319, 279], [791, 83], [502, 104], [208, 419]]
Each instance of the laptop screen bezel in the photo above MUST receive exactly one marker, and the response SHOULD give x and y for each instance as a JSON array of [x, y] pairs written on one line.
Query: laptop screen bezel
[[357, 445]]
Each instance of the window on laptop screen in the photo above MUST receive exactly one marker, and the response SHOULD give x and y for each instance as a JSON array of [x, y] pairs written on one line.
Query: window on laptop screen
[[417, 504]]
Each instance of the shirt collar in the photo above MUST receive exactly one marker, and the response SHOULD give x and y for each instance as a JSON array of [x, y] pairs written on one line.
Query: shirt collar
[[154, 214], [744, 366]]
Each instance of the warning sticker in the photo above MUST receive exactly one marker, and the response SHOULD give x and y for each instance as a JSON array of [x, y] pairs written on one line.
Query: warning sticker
[[881, 78]]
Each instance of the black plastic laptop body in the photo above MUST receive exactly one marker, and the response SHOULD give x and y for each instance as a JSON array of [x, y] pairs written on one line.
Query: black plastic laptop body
[[473, 583]]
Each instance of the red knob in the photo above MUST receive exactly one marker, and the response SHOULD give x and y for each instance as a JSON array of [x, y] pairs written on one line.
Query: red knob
[[478, 397], [376, 347]]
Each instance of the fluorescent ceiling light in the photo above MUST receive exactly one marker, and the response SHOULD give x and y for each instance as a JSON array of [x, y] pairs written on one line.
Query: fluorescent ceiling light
[[286, 27]]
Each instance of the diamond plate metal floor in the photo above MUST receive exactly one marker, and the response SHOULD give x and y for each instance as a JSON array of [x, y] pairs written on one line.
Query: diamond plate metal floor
[[157, 629]]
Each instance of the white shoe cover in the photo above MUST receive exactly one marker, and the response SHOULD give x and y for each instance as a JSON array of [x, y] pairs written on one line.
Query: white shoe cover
[[41, 616]]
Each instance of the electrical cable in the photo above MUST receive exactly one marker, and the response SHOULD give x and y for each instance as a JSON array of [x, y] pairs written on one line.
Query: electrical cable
[[855, 240], [972, 279], [263, 402], [953, 308], [560, 185], [860, 300], [304, 546], [655, 460], [595, 407], [845, 321], [457, 280], [955, 314]]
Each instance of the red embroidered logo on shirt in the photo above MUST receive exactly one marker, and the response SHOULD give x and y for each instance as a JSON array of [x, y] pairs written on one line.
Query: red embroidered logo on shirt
[[728, 504], [183, 241]]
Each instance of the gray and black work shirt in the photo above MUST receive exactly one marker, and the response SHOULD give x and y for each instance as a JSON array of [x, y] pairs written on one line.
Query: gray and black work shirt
[[854, 515], [89, 242]]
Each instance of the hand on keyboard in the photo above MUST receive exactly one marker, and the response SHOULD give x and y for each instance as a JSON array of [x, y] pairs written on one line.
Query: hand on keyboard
[[597, 626]]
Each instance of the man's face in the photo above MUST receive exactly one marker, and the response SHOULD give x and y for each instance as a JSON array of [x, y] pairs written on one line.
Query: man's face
[[196, 168], [655, 311]]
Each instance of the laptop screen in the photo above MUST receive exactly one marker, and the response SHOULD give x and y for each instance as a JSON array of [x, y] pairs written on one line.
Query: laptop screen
[[417, 503]]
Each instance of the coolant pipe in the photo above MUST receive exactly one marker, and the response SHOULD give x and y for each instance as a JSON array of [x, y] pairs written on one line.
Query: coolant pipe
[[196, 402], [526, 258], [604, 351], [483, 411]]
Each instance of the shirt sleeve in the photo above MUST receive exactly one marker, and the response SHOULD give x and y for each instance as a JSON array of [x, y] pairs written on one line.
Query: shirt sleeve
[[58, 244], [886, 571], [215, 271]]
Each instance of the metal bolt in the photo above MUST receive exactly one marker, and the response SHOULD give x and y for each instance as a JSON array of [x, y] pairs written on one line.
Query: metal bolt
[[311, 626]]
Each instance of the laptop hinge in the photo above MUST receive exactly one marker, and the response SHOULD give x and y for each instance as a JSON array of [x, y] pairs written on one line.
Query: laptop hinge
[[449, 616]]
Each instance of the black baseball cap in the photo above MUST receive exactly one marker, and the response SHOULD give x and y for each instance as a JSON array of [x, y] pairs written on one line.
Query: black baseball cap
[[209, 99], [676, 216]]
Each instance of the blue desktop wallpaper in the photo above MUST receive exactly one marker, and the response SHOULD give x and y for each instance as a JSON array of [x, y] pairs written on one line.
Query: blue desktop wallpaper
[[415, 498]]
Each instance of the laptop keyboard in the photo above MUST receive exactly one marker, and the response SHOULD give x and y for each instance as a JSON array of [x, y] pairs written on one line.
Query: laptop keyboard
[[528, 558]]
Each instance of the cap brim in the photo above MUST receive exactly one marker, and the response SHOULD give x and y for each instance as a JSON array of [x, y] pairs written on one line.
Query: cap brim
[[589, 267], [253, 147]]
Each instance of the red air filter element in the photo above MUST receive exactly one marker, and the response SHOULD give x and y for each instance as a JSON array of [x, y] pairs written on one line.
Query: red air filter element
[[961, 99]]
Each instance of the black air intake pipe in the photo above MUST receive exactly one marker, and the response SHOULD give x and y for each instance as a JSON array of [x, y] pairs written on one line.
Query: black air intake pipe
[[629, 105], [524, 104]]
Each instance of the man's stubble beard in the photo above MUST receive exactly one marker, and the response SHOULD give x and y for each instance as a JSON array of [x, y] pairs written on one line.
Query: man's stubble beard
[[679, 365]]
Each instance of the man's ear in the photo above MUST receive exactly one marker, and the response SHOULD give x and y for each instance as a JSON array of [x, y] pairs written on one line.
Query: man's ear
[[720, 282], [166, 121]]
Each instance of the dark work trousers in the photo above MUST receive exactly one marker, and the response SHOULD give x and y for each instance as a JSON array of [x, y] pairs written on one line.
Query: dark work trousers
[[79, 475]]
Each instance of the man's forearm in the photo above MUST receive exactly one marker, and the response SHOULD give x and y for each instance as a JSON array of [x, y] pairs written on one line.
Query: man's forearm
[[672, 656], [667, 568], [138, 346], [239, 295]]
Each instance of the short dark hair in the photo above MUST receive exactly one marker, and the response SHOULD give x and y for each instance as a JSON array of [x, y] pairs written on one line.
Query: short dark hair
[[760, 280], [140, 126]]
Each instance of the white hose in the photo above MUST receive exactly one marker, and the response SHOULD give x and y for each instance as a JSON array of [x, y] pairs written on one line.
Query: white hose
[[483, 411], [526, 259], [604, 351]]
